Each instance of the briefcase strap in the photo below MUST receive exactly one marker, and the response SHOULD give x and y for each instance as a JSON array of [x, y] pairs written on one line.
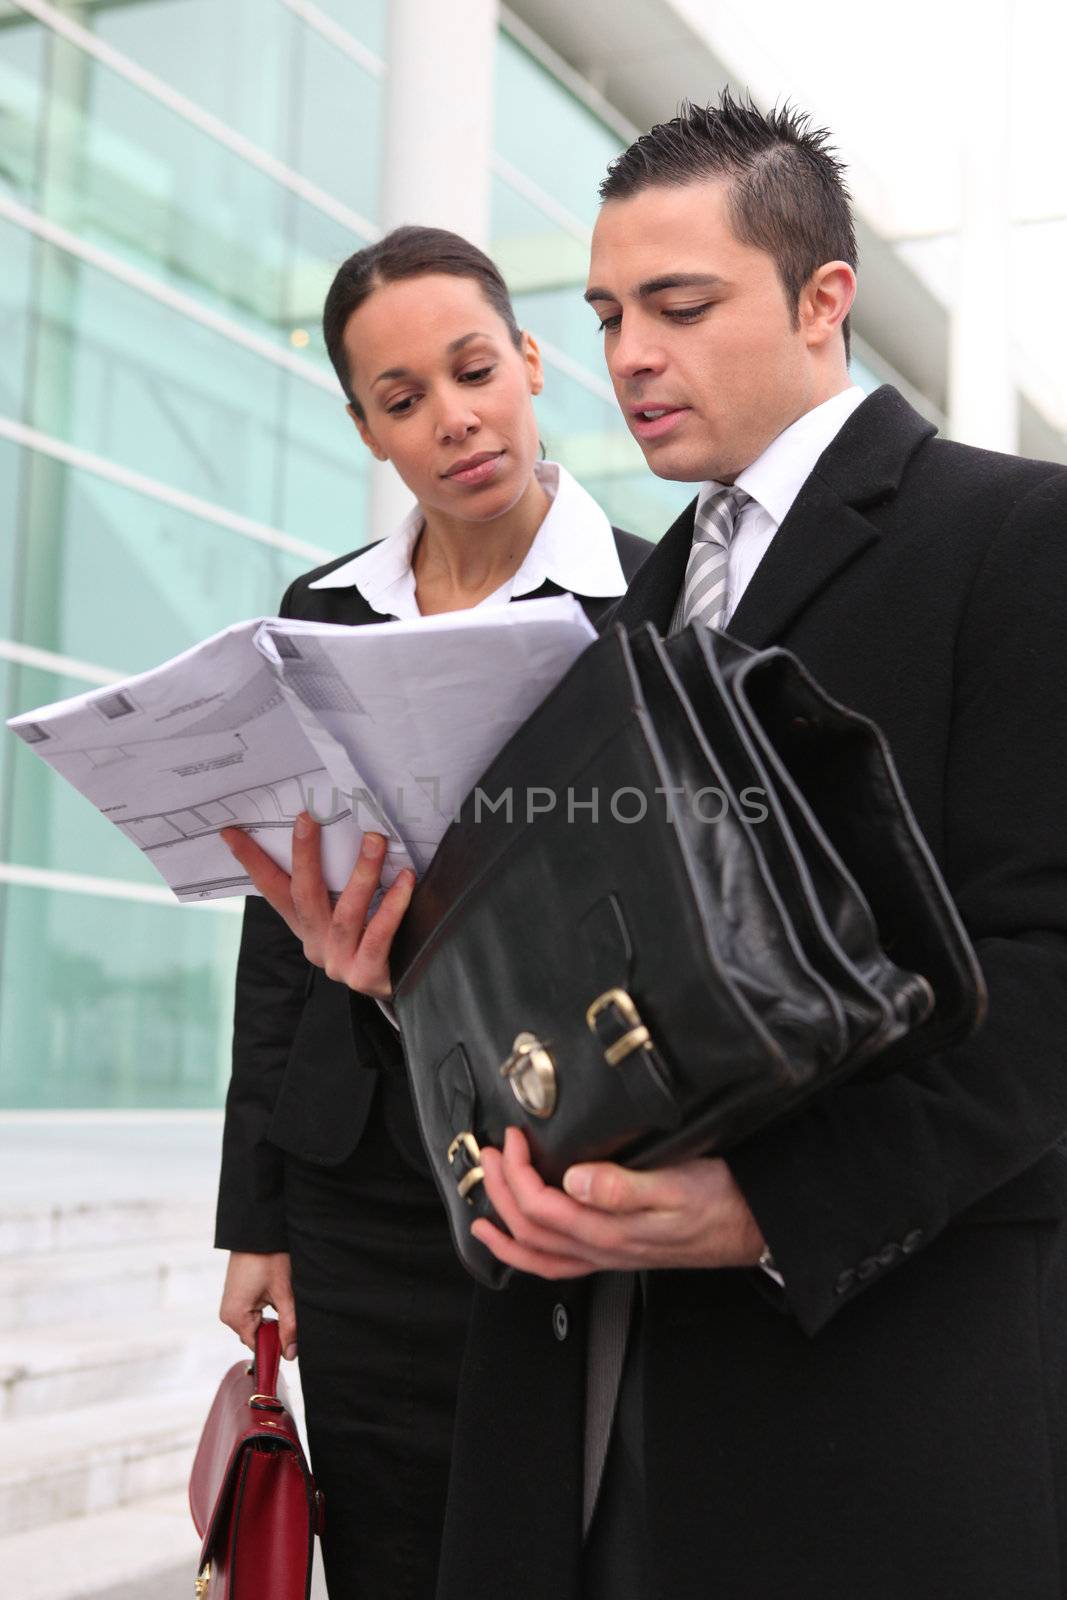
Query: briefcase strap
[[629, 1048], [456, 1084]]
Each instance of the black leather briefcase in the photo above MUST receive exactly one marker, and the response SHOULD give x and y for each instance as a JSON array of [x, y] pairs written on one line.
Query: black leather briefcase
[[687, 895]]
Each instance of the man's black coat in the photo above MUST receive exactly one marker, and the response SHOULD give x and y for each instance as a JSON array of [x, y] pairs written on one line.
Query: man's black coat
[[306, 1050], [895, 1426]]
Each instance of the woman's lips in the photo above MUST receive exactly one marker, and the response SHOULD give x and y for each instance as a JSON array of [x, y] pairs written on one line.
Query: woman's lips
[[656, 427], [478, 474]]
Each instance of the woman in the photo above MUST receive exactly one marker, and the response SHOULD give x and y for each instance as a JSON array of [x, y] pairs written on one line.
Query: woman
[[325, 1203]]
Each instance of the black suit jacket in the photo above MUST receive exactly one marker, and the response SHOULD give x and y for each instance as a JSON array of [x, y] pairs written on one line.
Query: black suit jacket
[[895, 1424], [306, 1050]]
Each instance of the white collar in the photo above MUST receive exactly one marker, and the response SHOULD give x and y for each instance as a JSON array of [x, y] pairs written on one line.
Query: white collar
[[775, 478], [574, 547]]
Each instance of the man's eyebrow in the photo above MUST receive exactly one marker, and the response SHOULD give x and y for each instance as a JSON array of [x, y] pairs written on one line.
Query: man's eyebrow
[[670, 280], [405, 372]]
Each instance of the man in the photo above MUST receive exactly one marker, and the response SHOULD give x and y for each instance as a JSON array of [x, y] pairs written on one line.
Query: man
[[885, 1417], [877, 1412]]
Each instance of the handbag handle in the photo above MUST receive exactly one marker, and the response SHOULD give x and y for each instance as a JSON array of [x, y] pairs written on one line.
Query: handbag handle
[[268, 1358]]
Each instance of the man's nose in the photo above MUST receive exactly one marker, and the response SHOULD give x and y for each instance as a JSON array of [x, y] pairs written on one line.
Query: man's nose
[[635, 353]]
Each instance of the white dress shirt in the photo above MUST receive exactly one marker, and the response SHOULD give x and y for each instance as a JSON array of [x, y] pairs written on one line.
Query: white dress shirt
[[574, 547], [774, 480]]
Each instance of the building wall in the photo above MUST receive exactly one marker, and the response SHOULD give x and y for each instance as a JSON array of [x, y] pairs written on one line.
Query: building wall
[[178, 181]]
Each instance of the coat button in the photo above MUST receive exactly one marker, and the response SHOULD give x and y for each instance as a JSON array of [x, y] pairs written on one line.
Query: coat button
[[888, 1254], [845, 1282], [866, 1269], [560, 1322], [911, 1241]]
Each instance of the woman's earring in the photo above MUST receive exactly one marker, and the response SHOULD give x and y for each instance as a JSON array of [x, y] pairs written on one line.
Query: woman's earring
[[541, 446]]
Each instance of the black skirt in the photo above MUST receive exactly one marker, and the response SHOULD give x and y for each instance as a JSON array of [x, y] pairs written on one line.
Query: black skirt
[[382, 1307]]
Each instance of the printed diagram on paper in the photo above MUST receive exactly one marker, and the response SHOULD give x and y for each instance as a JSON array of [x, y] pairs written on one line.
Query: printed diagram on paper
[[205, 742], [385, 727]]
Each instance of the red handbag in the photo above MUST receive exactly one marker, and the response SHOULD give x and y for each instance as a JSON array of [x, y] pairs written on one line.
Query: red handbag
[[251, 1492]]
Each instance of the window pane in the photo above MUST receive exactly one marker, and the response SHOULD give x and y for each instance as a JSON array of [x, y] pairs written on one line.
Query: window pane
[[242, 78], [113, 1003], [21, 78], [8, 749], [323, 485], [142, 385], [124, 582], [546, 271], [16, 252], [364, 19], [546, 133], [9, 543], [270, 77], [338, 110], [124, 172]]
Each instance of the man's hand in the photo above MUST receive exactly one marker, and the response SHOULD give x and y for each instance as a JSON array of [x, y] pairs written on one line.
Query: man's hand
[[252, 1282], [615, 1220], [337, 938]]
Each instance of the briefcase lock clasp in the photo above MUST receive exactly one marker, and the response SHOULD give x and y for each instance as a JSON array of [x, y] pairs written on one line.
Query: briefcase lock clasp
[[465, 1145], [531, 1073], [636, 1037]]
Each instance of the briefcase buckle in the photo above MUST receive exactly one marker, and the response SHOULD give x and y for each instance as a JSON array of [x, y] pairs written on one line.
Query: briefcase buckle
[[637, 1036], [466, 1147], [531, 1073]]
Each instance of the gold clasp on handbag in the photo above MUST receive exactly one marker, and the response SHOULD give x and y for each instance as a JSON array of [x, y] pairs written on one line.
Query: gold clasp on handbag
[[637, 1036], [531, 1073], [468, 1144], [202, 1582]]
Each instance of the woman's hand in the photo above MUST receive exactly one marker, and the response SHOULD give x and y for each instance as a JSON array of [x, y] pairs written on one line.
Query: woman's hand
[[252, 1282], [337, 938]]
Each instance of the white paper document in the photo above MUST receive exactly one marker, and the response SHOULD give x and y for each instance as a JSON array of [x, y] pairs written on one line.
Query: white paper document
[[383, 727]]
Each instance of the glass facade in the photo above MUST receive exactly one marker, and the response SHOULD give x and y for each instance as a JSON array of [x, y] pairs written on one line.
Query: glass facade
[[178, 181], [172, 454]]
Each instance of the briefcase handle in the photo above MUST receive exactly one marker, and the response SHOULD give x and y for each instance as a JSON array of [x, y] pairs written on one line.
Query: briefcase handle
[[268, 1357]]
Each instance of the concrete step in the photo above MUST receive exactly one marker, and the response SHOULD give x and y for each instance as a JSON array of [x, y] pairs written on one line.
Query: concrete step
[[79, 1462], [129, 1279], [144, 1551], [76, 1224], [85, 1363], [98, 1458]]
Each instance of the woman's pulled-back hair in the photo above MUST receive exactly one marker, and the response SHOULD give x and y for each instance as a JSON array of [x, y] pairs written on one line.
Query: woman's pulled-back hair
[[408, 252]]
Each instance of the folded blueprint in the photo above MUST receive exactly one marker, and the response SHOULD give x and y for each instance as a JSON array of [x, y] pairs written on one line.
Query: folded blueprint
[[384, 727]]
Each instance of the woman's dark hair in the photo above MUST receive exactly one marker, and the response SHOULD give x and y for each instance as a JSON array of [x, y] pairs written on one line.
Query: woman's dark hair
[[407, 253], [787, 192]]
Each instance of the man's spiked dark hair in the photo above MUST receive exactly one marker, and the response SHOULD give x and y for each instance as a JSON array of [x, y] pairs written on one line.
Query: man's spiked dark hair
[[787, 192]]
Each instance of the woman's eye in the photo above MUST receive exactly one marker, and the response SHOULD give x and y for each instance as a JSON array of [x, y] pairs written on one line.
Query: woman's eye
[[688, 313], [609, 324], [476, 376], [401, 407]]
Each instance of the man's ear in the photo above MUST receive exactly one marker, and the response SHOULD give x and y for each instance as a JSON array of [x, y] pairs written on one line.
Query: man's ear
[[365, 434], [531, 354], [825, 301]]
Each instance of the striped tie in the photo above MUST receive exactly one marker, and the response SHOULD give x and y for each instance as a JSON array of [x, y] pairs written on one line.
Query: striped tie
[[704, 595]]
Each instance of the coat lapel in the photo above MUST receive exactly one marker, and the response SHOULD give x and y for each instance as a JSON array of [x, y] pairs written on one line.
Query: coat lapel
[[824, 532], [818, 539]]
